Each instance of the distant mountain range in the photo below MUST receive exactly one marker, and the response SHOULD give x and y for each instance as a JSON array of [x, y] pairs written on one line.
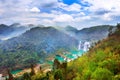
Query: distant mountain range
[[94, 33], [26, 44], [7, 32], [40, 38], [91, 33]]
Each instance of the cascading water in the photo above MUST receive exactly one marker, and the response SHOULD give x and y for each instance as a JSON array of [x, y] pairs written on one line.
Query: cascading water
[[84, 46], [79, 46]]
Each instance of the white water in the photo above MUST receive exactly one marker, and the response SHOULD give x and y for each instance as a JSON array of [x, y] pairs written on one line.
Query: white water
[[79, 46], [84, 46]]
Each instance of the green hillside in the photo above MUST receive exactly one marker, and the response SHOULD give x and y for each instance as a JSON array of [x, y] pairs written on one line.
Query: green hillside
[[102, 62]]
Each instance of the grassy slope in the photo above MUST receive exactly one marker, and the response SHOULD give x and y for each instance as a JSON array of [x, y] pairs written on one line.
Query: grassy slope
[[102, 62]]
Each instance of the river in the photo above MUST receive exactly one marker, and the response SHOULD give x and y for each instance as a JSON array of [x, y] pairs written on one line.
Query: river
[[69, 56]]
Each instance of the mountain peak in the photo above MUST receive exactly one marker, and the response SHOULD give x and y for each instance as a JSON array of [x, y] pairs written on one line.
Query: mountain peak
[[3, 25], [15, 25], [70, 28]]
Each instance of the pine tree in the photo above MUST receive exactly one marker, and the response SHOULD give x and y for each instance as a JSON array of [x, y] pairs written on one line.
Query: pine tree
[[56, 64], [32, 70], [10, 75], [40, 69]]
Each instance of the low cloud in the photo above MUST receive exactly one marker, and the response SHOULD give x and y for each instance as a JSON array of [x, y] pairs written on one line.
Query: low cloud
[[35, 9]]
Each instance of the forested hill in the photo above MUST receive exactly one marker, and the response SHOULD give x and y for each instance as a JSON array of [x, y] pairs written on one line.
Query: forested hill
[[25, 44], [33, 46], [102, 62], [92, 34]]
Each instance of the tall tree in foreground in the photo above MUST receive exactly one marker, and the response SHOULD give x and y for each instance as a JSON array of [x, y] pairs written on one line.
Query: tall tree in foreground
[[32, 70], [56, 64], [58, 75], [10, 75]]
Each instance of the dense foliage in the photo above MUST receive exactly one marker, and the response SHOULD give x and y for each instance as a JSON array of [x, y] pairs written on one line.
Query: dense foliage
[[33, 46], [17, 60], [102, 62]]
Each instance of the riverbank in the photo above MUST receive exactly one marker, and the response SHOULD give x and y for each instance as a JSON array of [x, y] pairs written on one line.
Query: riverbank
[[47, 66], [36, 68]]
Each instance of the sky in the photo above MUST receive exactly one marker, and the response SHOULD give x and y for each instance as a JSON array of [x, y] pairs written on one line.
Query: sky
[[77, 13]]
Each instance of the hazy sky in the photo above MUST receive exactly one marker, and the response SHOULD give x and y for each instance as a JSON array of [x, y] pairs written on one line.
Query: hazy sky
[[78, 13]]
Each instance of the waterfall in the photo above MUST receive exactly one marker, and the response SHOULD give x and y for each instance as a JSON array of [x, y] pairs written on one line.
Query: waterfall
[[79, 46], [86, 46]]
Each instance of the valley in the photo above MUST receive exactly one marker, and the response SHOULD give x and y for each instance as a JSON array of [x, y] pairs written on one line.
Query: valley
[[59, 39], [41, 45]]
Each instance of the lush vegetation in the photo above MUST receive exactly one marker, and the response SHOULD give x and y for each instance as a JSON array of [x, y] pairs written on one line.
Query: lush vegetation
[[17, 60], [33, 46], [102, 62]]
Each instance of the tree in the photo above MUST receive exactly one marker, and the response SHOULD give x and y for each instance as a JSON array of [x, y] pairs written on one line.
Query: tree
[[40, 69], [32, 70], [10, 75], [56, 64], [58, 75]]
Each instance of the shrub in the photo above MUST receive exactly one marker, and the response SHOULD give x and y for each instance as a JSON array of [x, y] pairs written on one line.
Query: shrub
[[102, 74]]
